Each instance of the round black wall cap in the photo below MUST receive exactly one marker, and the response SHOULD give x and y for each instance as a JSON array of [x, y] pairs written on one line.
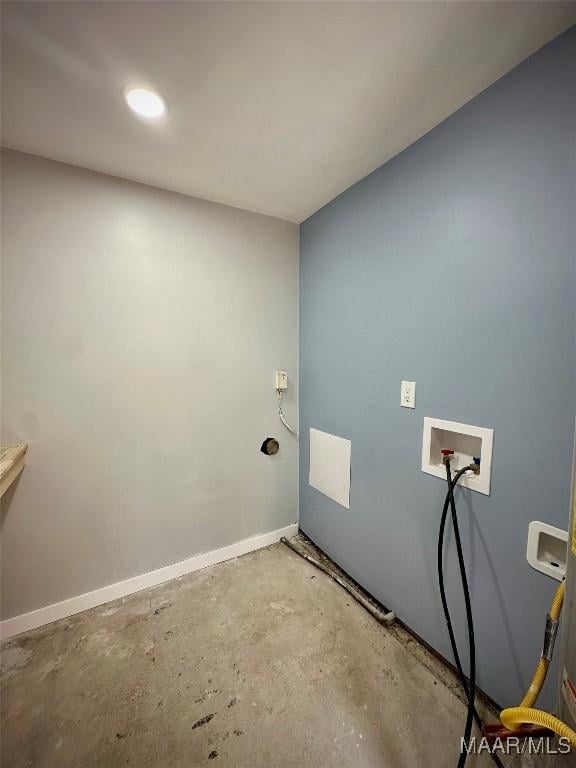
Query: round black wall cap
[[270, 446]]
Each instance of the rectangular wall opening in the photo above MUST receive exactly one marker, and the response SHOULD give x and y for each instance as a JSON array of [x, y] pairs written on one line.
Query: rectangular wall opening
[[468, 442]]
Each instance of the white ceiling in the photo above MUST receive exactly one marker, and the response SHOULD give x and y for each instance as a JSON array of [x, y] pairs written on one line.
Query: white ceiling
[[276, 107]]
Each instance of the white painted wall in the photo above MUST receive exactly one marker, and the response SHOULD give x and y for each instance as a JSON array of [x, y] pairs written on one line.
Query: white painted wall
[[141, 332]]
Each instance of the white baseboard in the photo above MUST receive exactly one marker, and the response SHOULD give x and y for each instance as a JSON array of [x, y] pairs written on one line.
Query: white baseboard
[[56, 611]]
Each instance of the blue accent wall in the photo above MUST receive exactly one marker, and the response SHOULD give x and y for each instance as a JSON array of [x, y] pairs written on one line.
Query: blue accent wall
[[452, 265]]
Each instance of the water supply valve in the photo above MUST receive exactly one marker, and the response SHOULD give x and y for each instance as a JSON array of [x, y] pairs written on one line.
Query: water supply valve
[[446, 455]]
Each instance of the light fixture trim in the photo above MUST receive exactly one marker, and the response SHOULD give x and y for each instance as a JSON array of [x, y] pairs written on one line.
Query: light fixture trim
[[145, 102]]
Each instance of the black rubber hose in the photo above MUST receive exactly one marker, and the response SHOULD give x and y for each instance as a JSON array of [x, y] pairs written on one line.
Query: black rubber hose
[[442, 586], [447, 616], [469, 620]]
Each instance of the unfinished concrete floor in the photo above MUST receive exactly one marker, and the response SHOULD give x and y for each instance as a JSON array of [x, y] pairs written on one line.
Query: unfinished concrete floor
[[260, 662]]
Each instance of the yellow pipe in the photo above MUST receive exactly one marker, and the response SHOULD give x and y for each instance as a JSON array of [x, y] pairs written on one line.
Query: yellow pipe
[[536, 685], [514, 717], [542, 669], [558, 601]]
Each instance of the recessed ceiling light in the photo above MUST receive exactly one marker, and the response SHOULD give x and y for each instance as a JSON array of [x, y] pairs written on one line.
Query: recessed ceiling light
[[145, 102]]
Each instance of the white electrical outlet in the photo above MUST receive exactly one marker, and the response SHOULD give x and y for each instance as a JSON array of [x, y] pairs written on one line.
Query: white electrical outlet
[[281, 381], [408, 394]]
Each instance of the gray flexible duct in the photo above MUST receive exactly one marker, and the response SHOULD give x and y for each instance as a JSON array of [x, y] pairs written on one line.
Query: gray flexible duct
[[282, 417]]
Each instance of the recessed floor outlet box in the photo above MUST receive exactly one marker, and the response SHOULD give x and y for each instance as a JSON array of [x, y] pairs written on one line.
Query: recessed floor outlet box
[[547, 549], [467, 442]]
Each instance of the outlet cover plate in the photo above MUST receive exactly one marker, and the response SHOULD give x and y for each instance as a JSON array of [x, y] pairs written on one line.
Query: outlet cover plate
[[281, 381], [408, 394]]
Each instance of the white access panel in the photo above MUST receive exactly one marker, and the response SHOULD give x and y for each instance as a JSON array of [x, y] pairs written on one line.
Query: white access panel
[[330, 466]]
